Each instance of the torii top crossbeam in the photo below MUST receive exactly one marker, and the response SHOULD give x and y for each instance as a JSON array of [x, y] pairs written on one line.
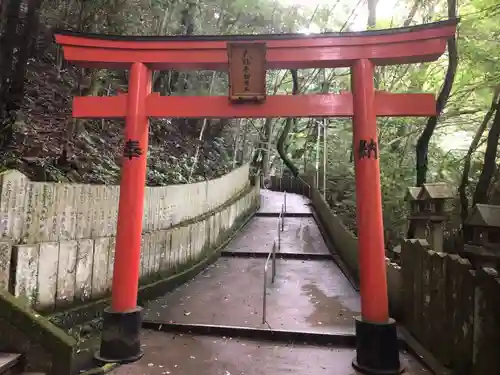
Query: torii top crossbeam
[[328, 50], [284, 51]]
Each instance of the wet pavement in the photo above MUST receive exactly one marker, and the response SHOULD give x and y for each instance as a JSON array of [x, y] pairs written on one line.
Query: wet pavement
[[271, 202], [168, 354], [299, 235], [306, 296]]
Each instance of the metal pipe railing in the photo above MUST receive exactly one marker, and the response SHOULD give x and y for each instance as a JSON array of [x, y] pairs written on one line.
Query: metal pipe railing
[[281, 221], [282, 215], [280, 228], [271, 256], [283, 211]]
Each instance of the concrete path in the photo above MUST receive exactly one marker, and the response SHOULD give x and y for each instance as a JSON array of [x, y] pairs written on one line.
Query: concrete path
[[271, 201], [307, 296], [168, 354], [299, 235], [311, 296]]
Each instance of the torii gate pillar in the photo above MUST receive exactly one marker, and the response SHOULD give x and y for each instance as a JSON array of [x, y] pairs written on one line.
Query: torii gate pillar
[[122, 321], [376, 336]]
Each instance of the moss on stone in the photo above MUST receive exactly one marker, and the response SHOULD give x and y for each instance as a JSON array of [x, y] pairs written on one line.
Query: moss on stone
[[30, 333]]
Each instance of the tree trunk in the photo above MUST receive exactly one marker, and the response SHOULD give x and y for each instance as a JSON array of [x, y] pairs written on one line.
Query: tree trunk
[[286, 129], [372, 13], [489, 165], [423, 142], [29, 32], [266, 143], [370, 25], [202, 133], [236, 143], [186, 27], [494, 193], [115, 17], [462, 189], [413, 11], [8, 45], [15, 91]]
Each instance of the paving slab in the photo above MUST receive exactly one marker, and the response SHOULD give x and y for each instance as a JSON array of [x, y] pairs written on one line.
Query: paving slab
[[168, 354], [299, 236], [307, 296], [271, 202]]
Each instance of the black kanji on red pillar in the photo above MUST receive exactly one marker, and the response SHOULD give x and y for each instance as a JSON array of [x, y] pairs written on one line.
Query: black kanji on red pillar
[[366, 149], [132, 149]]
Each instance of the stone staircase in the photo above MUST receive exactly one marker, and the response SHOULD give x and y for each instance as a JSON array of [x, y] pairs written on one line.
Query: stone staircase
[[13, 364]]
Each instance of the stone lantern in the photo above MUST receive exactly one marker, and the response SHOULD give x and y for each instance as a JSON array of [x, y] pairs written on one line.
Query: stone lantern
[[415, 218], [484, 251], [434, 197]]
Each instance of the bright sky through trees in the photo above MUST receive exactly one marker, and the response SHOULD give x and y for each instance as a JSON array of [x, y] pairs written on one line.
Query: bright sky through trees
[[385, 9]]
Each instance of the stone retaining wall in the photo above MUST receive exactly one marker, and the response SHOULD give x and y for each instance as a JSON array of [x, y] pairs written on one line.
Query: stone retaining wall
[[43, 340], [451, 308], [57, 240]]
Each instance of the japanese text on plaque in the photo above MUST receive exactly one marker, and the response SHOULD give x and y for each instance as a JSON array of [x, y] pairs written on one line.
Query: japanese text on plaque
[[247, 61]]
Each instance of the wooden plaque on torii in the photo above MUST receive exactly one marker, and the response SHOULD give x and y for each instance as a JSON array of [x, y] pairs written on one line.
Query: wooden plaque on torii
[[247, 71]]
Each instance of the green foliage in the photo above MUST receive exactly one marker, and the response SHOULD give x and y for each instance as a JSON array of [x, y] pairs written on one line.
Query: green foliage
[[227, 144], [478, 73]]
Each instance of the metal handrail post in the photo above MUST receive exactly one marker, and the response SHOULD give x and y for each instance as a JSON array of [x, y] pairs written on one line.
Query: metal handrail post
[[284, 212], [279, 236], [282, 218], [264, 297], [273, 264], [273, 274]]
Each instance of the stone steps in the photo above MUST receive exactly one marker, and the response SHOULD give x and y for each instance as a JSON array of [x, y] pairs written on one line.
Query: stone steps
[[12, 364]]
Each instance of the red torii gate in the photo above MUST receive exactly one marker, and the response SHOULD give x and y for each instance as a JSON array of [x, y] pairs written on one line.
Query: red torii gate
[[377, 347]]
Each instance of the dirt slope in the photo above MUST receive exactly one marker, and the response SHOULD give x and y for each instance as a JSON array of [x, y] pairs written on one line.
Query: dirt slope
[[93, 152]]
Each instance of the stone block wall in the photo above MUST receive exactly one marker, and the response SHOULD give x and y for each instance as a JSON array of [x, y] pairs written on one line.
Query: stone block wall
[[451, 308], [57, 240]]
